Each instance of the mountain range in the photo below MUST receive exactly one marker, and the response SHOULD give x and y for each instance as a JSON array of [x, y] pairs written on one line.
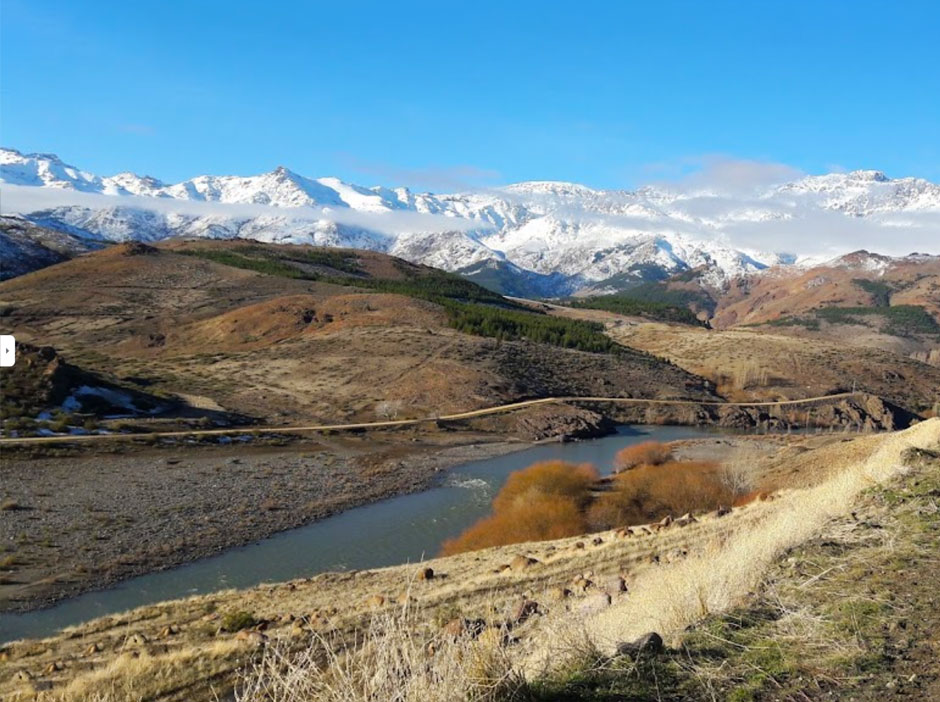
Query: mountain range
[[535, 238]]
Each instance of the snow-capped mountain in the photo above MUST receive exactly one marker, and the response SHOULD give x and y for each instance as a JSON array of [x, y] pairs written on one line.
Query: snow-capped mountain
[[543, 237]]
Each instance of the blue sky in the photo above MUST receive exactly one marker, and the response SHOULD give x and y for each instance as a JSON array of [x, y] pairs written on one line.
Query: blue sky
[[445, 94]]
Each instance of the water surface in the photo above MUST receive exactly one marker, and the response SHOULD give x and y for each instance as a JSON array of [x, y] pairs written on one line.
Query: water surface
[[401, 529]]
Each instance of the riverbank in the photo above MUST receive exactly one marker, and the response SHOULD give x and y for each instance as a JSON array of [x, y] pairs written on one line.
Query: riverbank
[[74, 524], [197, 647]]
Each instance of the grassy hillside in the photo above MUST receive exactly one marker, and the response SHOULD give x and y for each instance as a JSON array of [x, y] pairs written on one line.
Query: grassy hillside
[[295, 332]]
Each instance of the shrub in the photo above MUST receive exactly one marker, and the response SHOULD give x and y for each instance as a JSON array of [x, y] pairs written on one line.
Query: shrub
[[648, 453], [236, 621], [548, 478], [650, 492], [538, 518], [544, 501]]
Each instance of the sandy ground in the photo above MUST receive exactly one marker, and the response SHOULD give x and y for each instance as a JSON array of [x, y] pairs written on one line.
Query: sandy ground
[[71, 524]]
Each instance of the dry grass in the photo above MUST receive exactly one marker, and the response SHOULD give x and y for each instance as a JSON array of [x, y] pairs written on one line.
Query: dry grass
[[395, 659], [722, 560], [726, 568]]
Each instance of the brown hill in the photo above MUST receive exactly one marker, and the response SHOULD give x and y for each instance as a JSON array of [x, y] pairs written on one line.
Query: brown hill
[[299, 332], [862, 299]]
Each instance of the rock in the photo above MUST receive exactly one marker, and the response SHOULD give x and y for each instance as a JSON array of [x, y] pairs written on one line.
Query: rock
[[597, 541], [522, 562], [666, 521], [255, 638], [578, 545], [722, 511], [597, 602], [22, 676], [557, 594], [375, 601], [651, 644], [614, 584], [426, 574], [137, 640], [524, 610], [459, 627]]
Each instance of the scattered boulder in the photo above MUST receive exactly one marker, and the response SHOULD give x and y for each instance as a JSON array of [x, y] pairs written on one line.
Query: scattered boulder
[[22, 676], [137, 640], [596, 602], [578, 545], [459, 627], [665, 521], [614, 584], [376, 601], [557, 594], [722, 511], [651, 643], [426, 574], [522, 562], [597, 541], [255, 638], [522, 611]]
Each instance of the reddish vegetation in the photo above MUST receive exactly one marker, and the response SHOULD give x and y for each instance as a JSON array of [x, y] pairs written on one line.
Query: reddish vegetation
[[553, 500], [649, 453], [544, 501], [651, 492]]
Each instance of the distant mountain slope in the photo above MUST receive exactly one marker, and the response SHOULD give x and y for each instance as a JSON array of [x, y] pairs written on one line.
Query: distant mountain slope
[[551, 238], [26, 247], [295, 332]]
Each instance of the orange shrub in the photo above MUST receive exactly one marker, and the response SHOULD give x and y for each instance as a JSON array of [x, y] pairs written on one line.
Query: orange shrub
[[650, 492], [547, 478], [544, 501], [648, 453], [540, 518]]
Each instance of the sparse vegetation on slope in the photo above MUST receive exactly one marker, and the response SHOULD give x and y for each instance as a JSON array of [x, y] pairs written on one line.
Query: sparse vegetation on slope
[[633, 303], [836, 620], [471, 308], [897, 320]]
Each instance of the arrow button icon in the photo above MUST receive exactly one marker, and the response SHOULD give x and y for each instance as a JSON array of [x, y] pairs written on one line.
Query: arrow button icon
[[7, 350]]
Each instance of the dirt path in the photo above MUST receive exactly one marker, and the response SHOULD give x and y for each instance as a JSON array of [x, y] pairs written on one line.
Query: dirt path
[[399, 423]]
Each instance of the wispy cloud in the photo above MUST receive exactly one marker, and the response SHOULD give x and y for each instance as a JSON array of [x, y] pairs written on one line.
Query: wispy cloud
[[722, 175]]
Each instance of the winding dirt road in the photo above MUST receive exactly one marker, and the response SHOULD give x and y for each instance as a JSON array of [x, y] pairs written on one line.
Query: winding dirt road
[[394, 423]]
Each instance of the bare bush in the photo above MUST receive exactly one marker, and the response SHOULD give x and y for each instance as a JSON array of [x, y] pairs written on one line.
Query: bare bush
[[388, 409]]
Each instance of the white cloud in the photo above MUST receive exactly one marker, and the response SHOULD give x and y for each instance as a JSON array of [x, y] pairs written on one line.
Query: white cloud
[[21, 199]]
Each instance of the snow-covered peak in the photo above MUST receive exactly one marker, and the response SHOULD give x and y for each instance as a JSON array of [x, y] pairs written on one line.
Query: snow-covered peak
[[564, 232]]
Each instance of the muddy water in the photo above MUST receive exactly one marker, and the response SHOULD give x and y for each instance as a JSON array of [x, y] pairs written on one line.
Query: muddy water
[[401, 529]]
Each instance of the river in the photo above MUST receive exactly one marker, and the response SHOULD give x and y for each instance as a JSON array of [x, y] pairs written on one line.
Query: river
[[402, 529]]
